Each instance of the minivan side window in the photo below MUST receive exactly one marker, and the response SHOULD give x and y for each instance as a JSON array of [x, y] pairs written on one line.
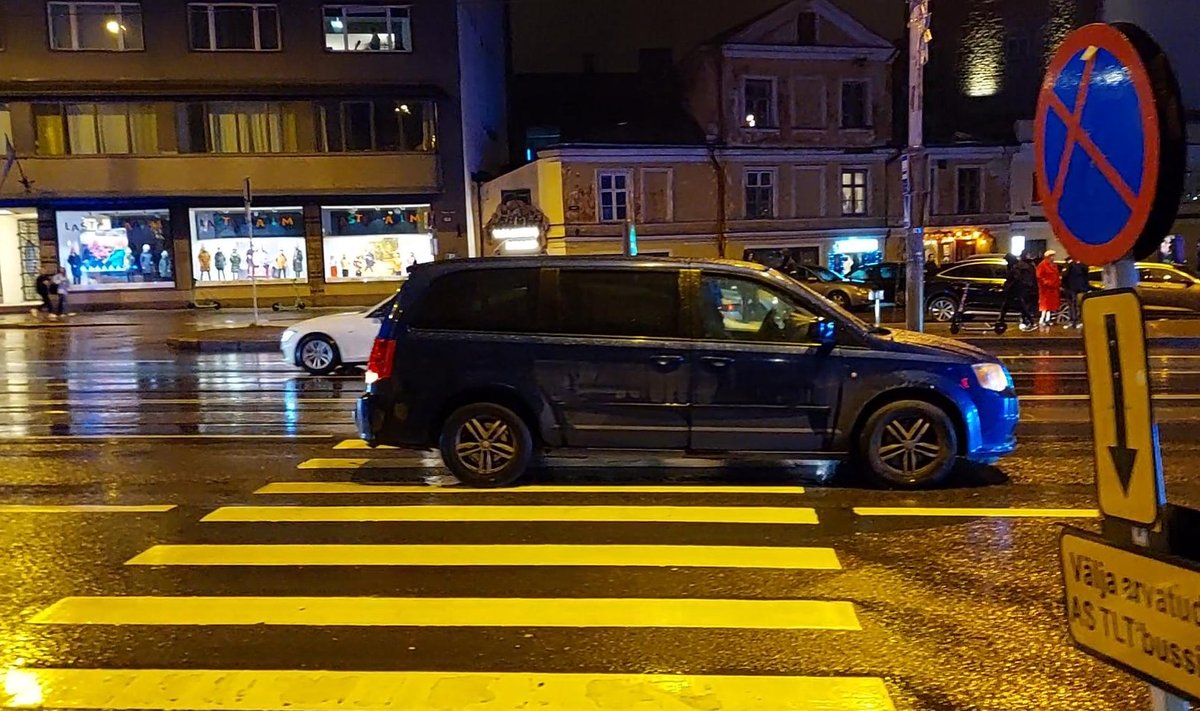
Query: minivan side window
[[481, 300], [744, 310], [627, 302]]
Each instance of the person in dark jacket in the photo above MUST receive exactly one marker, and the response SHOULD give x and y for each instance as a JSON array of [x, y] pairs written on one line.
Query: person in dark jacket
[[1018, 285], [1075, 285]]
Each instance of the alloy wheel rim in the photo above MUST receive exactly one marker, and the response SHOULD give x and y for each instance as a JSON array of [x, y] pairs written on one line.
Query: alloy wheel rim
[[942, 309], [909, 446], [840, 300], [317, 355], [485, 445]]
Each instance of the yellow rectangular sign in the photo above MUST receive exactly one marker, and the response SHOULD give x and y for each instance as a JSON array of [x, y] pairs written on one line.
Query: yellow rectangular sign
[[1133, 610], [1128, 469]]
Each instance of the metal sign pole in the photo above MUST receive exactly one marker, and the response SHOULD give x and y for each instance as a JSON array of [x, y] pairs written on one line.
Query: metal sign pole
[[246, 202], [1122, 274]]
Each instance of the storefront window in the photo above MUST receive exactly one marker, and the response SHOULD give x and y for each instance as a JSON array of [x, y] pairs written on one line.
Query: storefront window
[[221, 252], [116, 249], [375, 243], [854, 253]]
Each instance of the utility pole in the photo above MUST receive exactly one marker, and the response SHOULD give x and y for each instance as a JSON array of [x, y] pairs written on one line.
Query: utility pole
[[247, 204], [912, 167]]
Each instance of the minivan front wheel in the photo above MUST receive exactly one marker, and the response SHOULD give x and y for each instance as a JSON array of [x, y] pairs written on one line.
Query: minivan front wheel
[[486, 445], [909, 444]]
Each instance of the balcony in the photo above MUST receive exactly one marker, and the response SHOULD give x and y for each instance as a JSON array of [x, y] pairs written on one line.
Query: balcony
[[222, 174]]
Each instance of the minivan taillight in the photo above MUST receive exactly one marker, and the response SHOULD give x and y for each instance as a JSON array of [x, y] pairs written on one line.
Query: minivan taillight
[[379, 365]]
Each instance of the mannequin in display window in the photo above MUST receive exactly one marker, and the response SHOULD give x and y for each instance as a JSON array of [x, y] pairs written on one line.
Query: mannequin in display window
[[281, 263], [205, 264], [345, 266], [235, 265], [333, 268], [146, 262], [164, 265], [358, 266], [297, 263], [219, 261], [250, 262]]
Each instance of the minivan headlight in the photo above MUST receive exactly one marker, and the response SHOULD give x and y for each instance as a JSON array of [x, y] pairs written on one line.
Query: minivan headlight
[[992, 376]]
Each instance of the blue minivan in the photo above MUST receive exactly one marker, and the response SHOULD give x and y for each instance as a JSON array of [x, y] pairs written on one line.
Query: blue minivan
[[493, 361]]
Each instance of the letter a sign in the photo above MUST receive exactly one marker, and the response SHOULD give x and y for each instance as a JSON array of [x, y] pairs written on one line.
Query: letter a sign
[[1129, 480]]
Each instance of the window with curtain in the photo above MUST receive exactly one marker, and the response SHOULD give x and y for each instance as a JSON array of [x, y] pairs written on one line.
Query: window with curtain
[[251, 127], [96, 129]]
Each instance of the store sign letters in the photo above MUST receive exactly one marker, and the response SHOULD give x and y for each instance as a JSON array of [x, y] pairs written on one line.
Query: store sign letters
[[1134, 610], [211, 224]]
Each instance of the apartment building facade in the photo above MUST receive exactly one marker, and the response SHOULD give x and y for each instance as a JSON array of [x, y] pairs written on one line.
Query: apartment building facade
[[135, 126], [795, 111]]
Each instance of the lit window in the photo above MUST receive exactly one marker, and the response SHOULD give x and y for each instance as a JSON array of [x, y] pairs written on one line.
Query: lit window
[[378, 126], [221, 27], [614, 196], [759, 100], [367, 28], [854, 192], [104, 26], [760, 194], [250, 127]]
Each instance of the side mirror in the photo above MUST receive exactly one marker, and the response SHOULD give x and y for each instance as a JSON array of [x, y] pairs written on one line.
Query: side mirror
[[822, 331]]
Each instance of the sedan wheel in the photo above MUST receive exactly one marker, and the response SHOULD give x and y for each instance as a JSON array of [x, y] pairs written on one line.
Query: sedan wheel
[[909, 444], [318, 355], [942, 308], [840, 299]]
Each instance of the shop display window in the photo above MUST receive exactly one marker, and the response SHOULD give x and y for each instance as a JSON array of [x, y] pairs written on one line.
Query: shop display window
[[221, 246], [116, 249], [375, 243]]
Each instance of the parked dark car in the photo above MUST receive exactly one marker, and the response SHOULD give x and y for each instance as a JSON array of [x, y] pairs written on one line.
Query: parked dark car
[[493, 360], [888, 277], [829, 284], [985, 278]]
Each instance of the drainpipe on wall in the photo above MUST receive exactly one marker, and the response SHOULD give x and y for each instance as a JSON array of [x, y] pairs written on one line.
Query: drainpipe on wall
[[719, 176]]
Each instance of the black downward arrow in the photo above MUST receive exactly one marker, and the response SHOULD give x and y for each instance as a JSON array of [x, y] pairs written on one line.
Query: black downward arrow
[[1122, 456]]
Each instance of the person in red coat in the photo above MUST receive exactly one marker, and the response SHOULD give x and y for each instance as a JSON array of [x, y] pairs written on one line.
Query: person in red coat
[[1049, 288]]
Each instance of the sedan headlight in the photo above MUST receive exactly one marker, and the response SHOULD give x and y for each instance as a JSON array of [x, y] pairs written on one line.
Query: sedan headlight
[[992, 376], [287, 335]]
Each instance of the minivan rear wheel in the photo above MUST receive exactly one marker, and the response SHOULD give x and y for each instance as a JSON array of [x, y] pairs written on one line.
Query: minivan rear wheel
[[941, 308], [486, 445], [909, 444]]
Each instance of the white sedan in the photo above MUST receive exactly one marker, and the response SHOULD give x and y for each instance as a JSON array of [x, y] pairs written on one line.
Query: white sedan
[[323, 344]]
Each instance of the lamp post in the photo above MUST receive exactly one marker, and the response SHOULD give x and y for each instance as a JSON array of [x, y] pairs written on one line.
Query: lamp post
[[913, 173]]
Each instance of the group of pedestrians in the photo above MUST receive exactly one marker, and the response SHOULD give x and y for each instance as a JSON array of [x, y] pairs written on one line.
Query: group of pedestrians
[[52, 284], [1042, 283]]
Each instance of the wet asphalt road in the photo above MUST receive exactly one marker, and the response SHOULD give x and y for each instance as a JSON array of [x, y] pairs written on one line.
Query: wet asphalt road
[[121, 465]]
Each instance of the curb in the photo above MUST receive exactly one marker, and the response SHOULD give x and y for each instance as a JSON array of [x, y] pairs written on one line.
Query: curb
[[59, 324], [196, 345]]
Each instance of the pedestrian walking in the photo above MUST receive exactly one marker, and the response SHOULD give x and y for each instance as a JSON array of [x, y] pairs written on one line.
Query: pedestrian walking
[[1049, 283], [76, 263], [1075, 284], [1015, 295]]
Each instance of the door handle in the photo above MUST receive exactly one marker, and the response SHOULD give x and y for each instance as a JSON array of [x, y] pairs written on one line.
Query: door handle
[[717, 362], [667, 362]]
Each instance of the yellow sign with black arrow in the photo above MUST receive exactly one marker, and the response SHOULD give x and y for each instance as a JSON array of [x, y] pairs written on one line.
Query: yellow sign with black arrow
[[1128, 469]]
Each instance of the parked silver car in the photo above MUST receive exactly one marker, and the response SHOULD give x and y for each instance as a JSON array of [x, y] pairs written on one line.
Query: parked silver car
[[829, 284]]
